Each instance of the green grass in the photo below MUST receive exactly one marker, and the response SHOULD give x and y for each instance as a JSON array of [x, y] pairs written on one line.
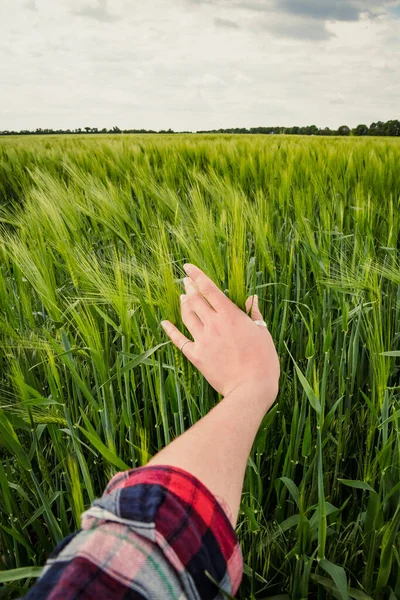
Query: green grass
[[94, 233]]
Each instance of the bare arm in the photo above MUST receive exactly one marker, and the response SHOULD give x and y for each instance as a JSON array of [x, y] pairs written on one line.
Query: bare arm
[[238, 358]]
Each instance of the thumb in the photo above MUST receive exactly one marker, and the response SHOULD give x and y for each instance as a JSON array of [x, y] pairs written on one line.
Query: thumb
[[252, 304]]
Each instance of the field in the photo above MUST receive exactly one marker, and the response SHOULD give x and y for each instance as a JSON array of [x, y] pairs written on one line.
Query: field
[[94, 232]]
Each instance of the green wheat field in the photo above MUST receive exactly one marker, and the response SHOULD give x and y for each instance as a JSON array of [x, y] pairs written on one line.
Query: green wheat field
[[94, 231]]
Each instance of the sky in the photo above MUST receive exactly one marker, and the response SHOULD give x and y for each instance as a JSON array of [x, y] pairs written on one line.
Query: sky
[[198, 64]]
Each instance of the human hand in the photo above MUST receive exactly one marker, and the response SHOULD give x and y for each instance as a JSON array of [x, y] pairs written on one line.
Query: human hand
[[229, 349]]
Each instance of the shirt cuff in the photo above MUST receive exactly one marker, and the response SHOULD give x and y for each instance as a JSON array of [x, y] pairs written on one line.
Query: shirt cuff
[[174, 510]]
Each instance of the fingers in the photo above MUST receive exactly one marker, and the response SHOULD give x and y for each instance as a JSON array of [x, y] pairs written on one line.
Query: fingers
[[207, 288], [180, 341], [196, 301], [194, 325], [252, 304]]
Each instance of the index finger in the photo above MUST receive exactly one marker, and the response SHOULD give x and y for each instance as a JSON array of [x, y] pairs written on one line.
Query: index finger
[[207, 288]]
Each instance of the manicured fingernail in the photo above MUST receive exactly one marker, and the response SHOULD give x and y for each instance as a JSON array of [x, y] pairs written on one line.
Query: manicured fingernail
[[183, 297], [187, 267]]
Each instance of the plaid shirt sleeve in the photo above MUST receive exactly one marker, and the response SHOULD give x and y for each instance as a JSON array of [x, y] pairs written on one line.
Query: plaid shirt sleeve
[[155, 533]]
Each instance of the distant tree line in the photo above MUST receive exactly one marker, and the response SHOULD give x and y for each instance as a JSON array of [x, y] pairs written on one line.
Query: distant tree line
[[83, 130], [390, 128]]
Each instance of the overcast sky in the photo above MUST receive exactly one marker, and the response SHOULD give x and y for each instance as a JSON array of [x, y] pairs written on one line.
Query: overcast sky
[[198, 64]]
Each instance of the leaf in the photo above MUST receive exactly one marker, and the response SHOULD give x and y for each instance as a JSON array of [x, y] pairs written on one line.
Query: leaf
[[20, 538], [329, 509], [287, 524], [5, 489], [254, 525], [269, 417], [338, 575], [11, 442], [306, 446], [329, 417], [293, 489], [278, 597], [329, 584], [387, 547], [68, 360], [250, 572], [311, 395], [322, 524], [108, 319], [147, 361], [101, 447], [17, 422], [136, 362], [251, 463], [360, 485], [22, 573], [390, 353], [393, 417], [41, 509]]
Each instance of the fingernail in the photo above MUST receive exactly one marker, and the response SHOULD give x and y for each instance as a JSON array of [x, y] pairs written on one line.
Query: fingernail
[[183, 297], [165, 325], [186, 281], [255, 300], [187, 267]]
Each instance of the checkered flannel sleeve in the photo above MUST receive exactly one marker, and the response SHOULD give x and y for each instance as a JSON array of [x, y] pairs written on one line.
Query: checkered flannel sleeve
[[157, 532]]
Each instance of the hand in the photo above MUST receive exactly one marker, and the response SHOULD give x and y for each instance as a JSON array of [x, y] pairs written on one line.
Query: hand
[[229, 349]]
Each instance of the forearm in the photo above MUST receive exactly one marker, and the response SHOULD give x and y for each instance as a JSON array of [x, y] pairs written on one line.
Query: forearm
[[216, 448]]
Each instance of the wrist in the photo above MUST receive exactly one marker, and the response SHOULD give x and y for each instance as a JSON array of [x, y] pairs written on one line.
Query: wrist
[[261, 392]]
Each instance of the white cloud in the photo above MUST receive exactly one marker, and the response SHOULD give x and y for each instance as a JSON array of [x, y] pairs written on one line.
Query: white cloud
[[30, 5], [208, 80], [97, 10], [185, 65], [337, 98], [242, 79], [226, 23]]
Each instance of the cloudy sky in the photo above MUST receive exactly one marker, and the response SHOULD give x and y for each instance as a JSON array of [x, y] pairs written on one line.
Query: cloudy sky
[[198, 64]]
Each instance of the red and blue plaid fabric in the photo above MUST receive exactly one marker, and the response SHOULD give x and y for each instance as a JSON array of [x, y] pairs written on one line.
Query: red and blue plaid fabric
[[155, 533]]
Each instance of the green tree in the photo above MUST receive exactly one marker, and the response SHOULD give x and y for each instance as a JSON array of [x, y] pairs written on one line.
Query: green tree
[[392, 128], [377, 128], [343, 130], [361, 130]]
